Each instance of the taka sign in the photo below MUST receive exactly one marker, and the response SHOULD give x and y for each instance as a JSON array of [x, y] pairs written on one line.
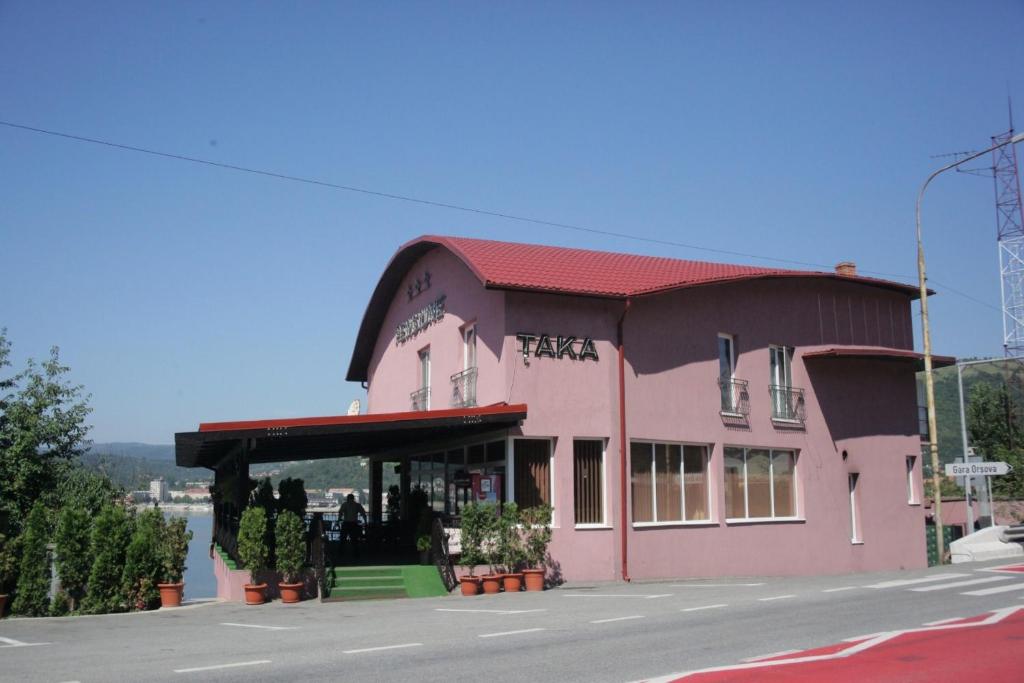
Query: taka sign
[[556, 346]]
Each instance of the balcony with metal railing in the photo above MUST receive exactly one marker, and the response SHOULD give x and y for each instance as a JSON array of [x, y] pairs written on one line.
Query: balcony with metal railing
[[420, 399], [787, 404], [464, 388], [735, 397]]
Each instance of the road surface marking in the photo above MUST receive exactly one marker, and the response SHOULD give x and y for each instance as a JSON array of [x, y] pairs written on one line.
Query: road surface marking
[[694, 609], [958, 584], [867, 636], [490, 611], [836, 590], [910, 582], [221, 666], [772, 655], [269, 628], [997, 589], [776, 597], [712, 585], [378, 649], [940, 622], [510, 633], [615, 595], [608, 621], [11, 642]]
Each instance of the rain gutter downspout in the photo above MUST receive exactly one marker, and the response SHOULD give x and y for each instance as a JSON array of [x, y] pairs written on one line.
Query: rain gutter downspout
[[622, 441]]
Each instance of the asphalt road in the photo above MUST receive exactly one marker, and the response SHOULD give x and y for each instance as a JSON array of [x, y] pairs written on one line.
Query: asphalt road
[[596, 632]]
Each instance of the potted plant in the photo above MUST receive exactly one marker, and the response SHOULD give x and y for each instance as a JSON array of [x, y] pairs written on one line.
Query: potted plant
[[254, 552], [291, 555], [509, 546], [176, 537], [471, 541], [536, 536], [491, 582]]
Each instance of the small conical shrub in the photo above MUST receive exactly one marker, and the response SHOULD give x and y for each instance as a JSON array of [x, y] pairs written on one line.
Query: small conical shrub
[[111, 534], [73, 559], [31, 597], [143, 565]]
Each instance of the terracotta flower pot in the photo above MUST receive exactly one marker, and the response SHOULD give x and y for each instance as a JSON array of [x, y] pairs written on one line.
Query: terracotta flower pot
[[492, 583], [512, 583], [170, 593], [291, 592], [534, 579], [255, 593], [470, 585]]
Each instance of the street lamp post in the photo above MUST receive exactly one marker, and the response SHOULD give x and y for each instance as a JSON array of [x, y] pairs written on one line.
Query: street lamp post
[[929, 381]]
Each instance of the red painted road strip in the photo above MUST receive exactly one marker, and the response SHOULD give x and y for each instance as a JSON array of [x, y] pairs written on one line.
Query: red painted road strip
[[987, 647]]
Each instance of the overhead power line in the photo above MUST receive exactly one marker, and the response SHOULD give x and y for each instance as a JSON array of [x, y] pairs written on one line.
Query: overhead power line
[[454, 207]]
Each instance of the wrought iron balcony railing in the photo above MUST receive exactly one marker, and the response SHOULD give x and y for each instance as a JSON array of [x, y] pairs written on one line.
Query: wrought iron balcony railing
[[735, 399], [464, 388], [787, 403], [420, 399]]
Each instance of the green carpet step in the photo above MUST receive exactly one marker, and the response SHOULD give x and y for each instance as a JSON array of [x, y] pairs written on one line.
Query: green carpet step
[[361, 581], [368, 593], [423, 581], [345, 572]]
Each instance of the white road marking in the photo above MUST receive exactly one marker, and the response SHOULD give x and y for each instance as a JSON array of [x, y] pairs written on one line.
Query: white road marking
[[712, 585], [510, 633], [11, 642], [867, 636], [615, 595], [997, 589], [378, 649], [958, 584], [910, 582], [490, 611], [940, 622], [269, 628], [221, 666], [776, 597], [772, 655], [836, 590], [695, 609], [608, 621]]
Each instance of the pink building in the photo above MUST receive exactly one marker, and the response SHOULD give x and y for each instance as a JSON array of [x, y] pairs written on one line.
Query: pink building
[[683, 418]]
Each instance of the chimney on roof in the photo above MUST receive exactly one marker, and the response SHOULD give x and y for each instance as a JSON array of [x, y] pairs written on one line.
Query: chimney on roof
[[846, 269]]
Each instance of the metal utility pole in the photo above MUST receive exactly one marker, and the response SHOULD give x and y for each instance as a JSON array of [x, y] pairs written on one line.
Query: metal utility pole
[[1010, 235], [929, 380]]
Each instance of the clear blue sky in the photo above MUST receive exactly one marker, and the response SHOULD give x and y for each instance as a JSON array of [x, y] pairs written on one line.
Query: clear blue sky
[[180, 293]]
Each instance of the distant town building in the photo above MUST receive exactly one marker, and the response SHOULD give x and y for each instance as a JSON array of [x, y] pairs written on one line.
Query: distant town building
[[158, 491]]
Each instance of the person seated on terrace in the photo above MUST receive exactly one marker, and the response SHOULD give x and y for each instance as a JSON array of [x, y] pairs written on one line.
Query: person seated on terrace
[[349, 514]]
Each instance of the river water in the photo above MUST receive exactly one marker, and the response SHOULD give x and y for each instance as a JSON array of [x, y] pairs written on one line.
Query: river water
[[199, 579]]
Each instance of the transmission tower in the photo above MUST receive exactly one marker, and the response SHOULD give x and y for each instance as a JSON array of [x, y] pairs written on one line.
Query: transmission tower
[[1010, 234]]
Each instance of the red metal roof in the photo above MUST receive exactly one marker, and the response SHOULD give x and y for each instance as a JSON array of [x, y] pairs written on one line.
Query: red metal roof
[[563, 270], [877, 352], [508, 265], [369, 418]]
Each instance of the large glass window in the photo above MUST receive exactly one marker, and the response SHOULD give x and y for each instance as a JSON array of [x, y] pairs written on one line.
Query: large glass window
[[669, 482], [727, 372], [759, 483], [532, 472], [588, 481]]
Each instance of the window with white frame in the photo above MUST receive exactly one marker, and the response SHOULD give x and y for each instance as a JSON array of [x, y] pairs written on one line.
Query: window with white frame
[[588, 481], [786, 401], [469, 347], [532, 472], [911, 487], [727, 372], [669, 482], [855, 531], [759, 483]]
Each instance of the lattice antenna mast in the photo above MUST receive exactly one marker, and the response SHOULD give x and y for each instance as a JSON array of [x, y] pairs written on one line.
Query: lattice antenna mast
[[1010, 234]]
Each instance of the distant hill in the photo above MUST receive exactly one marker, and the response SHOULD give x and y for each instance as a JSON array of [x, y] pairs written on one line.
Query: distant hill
[[146, 451]]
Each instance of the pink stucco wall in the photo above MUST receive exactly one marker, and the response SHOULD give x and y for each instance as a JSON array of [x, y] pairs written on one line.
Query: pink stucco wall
[[230, 582], [865, 409]]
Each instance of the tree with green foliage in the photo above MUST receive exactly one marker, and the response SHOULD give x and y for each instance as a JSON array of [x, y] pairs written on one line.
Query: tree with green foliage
[[42, 428], [478, 524], [291, 496], [72, 553], [996, 433], [142, 564], [87, 490], [509, 542], [252, 540], [263, 496], [291, 546], [31, 597], [174, 550], [111, 534]]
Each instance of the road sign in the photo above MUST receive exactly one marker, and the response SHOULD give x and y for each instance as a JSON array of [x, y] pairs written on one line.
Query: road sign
[[977, 469]]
